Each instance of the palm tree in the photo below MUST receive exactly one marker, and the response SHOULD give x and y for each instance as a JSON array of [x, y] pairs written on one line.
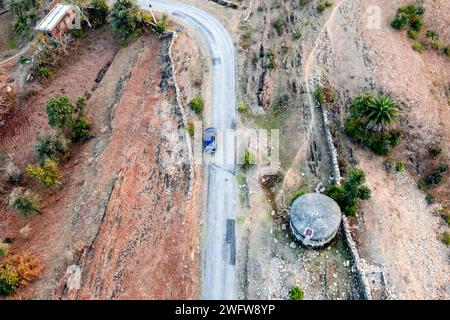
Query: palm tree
[[382, 111]]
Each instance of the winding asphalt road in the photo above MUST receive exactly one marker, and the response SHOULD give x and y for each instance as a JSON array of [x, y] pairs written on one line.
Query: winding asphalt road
[[219, 270]]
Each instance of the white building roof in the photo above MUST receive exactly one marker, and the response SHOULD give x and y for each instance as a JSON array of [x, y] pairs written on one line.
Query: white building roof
[[54, 17]]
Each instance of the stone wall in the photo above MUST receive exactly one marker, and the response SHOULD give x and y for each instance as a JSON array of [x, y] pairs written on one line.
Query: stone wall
[[358, 263], [173, 36]]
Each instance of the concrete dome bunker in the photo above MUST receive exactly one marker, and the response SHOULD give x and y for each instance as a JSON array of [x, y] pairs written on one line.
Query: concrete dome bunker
[[314, 220]]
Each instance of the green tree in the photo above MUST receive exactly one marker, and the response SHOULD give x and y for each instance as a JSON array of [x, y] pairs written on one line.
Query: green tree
[[351, 192], [62, 114], [20, 8], [382, 111], [81, 128], [48, 174], [100, 11], [125, 17], [50, 146], [59, 111], [24, 201]]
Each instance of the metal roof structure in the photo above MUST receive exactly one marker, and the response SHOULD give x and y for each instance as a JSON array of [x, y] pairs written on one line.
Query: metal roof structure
[[53, 17], [314, 219]]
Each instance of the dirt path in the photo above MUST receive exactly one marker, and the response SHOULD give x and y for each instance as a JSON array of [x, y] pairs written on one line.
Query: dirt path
[[308, 68]]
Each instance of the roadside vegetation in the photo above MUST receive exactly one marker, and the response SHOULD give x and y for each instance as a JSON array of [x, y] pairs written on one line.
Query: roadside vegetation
[[249, 159], [128, 20], [197, 104]]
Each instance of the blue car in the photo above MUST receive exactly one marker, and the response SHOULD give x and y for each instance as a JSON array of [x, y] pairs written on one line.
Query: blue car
[[209, 140]]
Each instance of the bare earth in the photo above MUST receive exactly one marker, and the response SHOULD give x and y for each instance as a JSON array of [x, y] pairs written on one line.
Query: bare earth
[[126, 211], [396, 229]]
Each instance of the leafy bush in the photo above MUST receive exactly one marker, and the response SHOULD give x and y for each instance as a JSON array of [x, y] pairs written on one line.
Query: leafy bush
[[417, 24], [381, 143], [197, 105], [24, 201], [446, 238], [435, 151], [271, 63], [279, 24], [408, 15], [296, 293], [43, 72], [98, 13], [62, 114], [391, 164], [296, 34], [413, 34], [368, 121], [432, 34], [191, 129], [47, 174], [76, 33], [249, 159], [400, 166], [319, 96], [321, 7], [435, 44], [59, 111], [400, 21], [434, 179], [429, 198], [81, 128], [243, 108], [446, 50], [50, 146], [351, 192], [9, 279], [160, 26]]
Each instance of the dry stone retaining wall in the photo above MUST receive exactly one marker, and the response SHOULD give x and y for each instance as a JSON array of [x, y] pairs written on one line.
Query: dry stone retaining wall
[[358, 263]]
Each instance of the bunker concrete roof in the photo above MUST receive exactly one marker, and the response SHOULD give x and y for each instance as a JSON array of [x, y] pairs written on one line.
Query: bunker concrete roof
[[315, 216]]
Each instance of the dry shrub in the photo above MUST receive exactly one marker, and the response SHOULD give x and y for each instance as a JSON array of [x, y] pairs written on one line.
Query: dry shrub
[[26, 266], [7, 100]]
